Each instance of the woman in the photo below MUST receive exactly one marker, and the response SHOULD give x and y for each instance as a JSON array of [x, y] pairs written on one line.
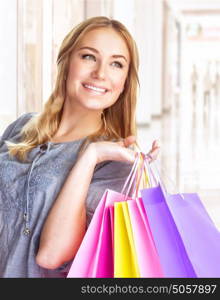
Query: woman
[[56, 165]]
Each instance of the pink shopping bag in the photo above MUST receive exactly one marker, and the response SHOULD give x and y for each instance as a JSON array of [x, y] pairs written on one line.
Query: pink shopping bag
[[94, 257], [97, 245], [147, 256]]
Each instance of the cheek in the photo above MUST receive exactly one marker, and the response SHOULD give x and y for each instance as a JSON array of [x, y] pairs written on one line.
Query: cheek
[[76, 71], [118, 83]]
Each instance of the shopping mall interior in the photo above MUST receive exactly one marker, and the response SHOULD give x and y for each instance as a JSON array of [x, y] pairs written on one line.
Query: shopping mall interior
[[179, 95]]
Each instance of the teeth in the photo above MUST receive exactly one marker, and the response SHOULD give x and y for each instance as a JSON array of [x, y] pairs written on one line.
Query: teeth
[[94, 88]]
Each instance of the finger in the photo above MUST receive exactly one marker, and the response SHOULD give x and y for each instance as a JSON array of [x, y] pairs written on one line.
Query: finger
[[129, 140], [156, 144], [153, 154]]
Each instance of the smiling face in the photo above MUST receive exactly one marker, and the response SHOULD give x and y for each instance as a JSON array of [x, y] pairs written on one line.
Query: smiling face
[[98, 69]]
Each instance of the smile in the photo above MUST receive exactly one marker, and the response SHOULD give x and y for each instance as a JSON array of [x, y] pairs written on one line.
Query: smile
[[95, 88]]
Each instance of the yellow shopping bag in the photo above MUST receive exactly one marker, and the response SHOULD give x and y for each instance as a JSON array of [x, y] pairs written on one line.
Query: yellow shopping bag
[[125, 259]]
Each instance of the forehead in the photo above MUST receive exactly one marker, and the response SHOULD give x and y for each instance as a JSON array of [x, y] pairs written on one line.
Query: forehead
[[105, 40]]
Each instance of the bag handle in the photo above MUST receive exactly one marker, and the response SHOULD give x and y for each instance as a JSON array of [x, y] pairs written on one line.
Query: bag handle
[[130, 177], [154, 171], [131, 174], [143, 171], [141, 177], [135, 176]]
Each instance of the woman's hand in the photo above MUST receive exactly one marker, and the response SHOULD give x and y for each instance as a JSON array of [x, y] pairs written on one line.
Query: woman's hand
[[154, 152], [119, 151]]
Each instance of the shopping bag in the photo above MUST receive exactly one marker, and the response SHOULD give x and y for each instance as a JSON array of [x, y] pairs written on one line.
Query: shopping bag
[[147, 256], [170, 247], [200, 236], [94, 257], [125, 259], [104, 257], [111, 211], [97, 241], [186, 238]]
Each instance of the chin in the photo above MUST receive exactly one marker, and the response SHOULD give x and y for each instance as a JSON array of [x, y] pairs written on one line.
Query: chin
[[93, 107], [96, 105]]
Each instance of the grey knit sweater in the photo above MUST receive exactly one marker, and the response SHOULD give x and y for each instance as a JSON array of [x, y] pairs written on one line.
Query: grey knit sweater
[[28, 190]]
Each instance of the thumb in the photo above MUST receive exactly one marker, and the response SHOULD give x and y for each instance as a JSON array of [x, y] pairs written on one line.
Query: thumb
[[129, 140]]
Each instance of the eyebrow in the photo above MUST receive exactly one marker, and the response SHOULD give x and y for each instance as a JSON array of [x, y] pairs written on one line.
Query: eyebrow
[[96, 51]]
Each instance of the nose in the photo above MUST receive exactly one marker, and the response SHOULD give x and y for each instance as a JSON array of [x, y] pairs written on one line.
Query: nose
[[99, 71]]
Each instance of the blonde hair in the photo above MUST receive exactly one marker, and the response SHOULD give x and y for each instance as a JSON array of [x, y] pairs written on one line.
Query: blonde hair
[[118, 120]]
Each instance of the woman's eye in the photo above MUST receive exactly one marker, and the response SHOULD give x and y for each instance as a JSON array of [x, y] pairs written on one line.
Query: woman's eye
[[92, 57], [117, 64], [88, 57]]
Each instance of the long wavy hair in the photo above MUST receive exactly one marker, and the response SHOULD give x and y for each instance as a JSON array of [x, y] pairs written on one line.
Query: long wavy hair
[[118, 120]]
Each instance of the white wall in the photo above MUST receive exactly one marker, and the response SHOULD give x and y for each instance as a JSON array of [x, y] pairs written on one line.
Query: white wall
[[8, 54], [124, 11], [148, 35]]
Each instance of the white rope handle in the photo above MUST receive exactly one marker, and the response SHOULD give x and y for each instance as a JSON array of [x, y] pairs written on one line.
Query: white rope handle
[[130, 179]]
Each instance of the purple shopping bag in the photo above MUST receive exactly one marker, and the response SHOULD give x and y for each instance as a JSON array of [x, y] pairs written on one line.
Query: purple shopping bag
[[170, 247], [187, 240], [198, 232]]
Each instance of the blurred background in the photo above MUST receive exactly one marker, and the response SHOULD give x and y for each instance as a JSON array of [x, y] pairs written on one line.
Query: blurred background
[[179, 96]]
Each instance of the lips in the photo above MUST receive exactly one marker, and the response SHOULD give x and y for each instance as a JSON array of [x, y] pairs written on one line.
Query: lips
[[96, 88]]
